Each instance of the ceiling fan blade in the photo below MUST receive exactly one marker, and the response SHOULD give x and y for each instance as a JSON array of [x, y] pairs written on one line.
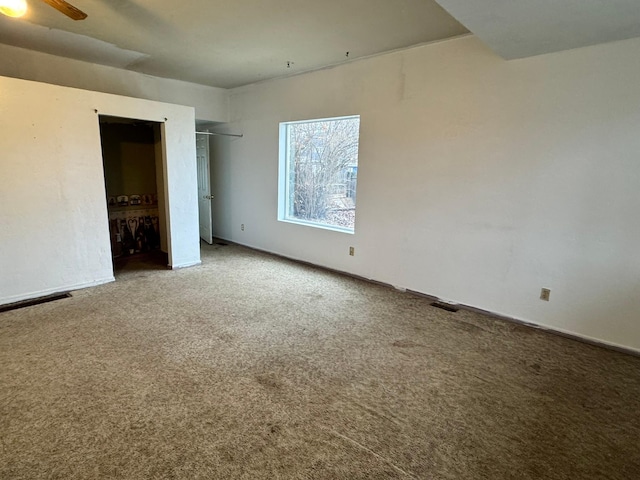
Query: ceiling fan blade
[[66, 8]]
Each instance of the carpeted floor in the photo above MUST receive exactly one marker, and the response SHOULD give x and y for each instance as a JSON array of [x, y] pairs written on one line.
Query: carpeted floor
[[255, 367]]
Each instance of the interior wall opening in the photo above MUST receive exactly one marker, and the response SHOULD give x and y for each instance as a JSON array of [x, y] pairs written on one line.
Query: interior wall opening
[[213, 143], [134, 180]]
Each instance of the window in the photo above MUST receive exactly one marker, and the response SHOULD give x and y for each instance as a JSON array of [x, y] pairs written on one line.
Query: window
[[319, 172]]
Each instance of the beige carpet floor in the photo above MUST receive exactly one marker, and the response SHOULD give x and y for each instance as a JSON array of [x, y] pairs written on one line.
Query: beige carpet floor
[[254, 367]]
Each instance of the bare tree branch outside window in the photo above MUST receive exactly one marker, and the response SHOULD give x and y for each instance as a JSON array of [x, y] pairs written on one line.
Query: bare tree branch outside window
[[323, 169]]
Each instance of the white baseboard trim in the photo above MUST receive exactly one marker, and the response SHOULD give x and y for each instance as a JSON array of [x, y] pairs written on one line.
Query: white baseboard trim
[[58, 289]]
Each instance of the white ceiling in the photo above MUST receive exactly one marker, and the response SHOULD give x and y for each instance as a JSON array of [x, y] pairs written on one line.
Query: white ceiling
[[522, 28], [236, 42], [227, 43]]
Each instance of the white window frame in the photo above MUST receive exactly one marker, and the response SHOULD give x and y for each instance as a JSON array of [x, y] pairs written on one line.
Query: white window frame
[[283, 176]]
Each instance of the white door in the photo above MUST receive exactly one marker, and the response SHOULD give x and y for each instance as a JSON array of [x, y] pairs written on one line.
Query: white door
[[204, 188]]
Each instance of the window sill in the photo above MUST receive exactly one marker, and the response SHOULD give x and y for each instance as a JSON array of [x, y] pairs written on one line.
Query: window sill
[[318, 225]]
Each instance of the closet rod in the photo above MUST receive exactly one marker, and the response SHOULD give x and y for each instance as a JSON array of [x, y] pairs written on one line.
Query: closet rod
[[225, 134]]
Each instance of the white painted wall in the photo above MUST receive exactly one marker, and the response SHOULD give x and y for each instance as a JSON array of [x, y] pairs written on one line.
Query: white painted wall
[[54, 232], [210, 103], [480, 180]]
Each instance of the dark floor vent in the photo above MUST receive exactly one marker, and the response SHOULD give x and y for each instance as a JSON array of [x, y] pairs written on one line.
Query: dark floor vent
[[445, 306], [33, 301]]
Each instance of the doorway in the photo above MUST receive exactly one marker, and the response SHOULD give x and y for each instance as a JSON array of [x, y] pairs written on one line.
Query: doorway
[[134, 180], [204, 188]]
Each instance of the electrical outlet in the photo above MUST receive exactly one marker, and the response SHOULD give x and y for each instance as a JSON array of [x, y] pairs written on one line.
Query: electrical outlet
[[544, 294], [352, 251], [242, 227]]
